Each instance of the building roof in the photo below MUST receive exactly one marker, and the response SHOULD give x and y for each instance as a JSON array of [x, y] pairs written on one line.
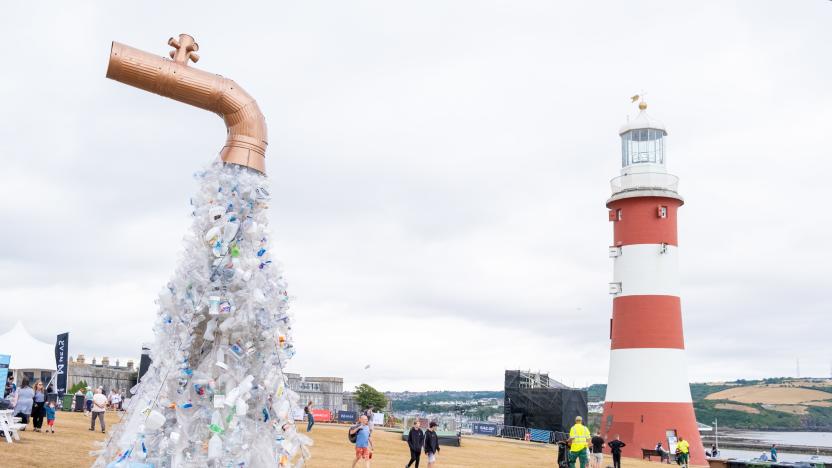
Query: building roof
[[27, 352], [642, 120]]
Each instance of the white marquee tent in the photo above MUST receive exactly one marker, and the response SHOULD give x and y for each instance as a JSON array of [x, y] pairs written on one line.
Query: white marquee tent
[[27, 352]]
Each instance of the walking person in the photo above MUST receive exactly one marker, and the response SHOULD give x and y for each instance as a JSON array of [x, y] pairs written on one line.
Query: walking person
[[88, 400], [50, 417], [615, 447], [307, 411], [363, 442], [683, 452], [415, 441], [431, 444], [38, 412], [99, 406], [25, 400], [773, 452], [597, 451], [579, 436], [369, 413]]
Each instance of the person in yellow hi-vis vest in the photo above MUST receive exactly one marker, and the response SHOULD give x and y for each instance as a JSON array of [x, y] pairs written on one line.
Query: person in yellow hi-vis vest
[[579, 438], [682, 451]]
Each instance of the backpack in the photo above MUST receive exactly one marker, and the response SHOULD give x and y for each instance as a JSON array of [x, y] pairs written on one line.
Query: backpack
[[353, 436]]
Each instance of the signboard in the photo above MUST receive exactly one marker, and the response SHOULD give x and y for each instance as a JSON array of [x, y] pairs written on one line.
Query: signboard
[[378, 419], [321, 415], [484, 428], [671, 443], [4, 371], [298, 414], [61, 356], [347, 416]]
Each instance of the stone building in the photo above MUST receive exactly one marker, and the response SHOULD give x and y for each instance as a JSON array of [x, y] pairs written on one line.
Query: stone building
[[323, 392], [101, 375]]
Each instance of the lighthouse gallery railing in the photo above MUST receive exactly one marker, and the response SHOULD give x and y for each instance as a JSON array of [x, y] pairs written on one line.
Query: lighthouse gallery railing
[[645, 181]]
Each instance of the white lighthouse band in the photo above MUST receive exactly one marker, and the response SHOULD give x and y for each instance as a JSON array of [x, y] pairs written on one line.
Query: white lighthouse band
[[641, 375], [647, 269]]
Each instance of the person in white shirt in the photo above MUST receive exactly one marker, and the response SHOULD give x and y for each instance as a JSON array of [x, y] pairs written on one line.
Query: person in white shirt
[[99, 406], [115, 400]]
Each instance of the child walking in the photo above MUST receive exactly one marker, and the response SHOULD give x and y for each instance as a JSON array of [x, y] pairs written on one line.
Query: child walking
[[50, 417]]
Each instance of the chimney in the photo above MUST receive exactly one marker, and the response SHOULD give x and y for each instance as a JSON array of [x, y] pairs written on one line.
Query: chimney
[[129, 364], [80, 359], [93, 360], [118, 364]]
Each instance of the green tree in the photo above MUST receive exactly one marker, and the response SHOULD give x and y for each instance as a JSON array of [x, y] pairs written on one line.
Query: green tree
[[81, 384], [366, 395]]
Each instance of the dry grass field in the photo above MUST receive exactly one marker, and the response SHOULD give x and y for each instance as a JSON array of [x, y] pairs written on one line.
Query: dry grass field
[[735, 407], [773, 395], [72, 442], [68, 447]]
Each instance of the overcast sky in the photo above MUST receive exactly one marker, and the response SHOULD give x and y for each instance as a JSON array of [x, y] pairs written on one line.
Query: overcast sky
[[439, 172]]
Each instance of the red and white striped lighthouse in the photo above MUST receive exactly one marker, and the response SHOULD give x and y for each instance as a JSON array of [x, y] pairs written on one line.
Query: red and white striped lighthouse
[[648, 394]]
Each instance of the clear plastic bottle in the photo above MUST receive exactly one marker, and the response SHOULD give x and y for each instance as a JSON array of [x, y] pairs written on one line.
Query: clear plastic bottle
[[215, 447]]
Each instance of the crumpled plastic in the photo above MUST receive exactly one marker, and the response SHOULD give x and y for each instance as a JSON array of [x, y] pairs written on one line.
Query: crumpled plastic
[[215, 393]]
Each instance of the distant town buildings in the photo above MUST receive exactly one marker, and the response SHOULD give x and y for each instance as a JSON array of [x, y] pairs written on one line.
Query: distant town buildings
[[323, 392], [101, 375]]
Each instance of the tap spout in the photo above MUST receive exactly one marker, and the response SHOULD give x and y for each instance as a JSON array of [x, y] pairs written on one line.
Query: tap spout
[[247, 136]]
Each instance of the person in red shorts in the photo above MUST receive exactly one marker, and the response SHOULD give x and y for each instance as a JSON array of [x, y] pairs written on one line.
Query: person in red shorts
[[50, 417], [363, 442]]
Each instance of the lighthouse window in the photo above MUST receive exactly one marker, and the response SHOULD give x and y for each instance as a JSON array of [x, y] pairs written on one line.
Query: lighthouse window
[[642, 145]]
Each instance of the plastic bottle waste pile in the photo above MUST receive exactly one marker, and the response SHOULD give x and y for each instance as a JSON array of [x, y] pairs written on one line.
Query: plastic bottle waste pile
[[215, 394]]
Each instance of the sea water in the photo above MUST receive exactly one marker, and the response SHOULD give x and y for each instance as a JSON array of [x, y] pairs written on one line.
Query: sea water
[[807, 439]]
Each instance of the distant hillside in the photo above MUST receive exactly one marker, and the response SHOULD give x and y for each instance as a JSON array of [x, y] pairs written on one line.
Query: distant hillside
[[776, 403], [769, 404]]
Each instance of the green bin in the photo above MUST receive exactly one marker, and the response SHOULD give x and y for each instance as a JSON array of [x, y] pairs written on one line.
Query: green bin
[[66, 403]]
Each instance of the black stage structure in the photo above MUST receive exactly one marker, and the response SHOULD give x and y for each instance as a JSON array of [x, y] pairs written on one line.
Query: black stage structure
[[533, 400]]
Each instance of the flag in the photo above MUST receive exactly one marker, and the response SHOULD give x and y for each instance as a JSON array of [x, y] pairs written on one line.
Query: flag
[[61, 356]]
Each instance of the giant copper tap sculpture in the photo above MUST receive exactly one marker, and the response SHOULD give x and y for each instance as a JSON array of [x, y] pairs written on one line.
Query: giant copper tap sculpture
[[246, 142]]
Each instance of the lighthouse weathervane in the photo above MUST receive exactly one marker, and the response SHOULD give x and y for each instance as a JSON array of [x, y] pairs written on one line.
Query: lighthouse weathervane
[[648, 394]]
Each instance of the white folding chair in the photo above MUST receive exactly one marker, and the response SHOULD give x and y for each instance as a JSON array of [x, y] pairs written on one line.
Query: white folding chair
[[10, 426]]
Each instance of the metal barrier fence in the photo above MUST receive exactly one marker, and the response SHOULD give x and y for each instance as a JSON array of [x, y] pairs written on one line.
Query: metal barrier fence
[[531, 434], [493, 429], [512, 432]]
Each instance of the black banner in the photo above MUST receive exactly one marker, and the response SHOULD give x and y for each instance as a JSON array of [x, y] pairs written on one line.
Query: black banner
[[144, 363], [61, 357]]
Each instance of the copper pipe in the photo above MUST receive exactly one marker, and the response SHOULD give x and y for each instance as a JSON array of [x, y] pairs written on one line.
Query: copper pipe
[[247, 137]]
